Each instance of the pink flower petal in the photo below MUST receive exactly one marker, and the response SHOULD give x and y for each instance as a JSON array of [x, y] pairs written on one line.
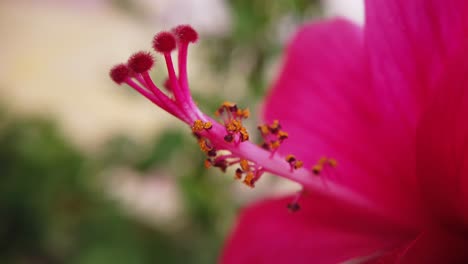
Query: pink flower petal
[[323, 98], [431, 246], [408, 43], [319, 232], [443, 148]]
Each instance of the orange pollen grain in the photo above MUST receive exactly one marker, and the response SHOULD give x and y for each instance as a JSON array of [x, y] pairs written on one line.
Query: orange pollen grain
[[264, 130], [234, 126], [207, 125], [290, 158], [203, 145], [283, 135], [197, 126], [275, 144], [244, 134], [248, 179], [298, 164], [244, 164], [238, 174], [316, 169], [208, 163], [333, 163]]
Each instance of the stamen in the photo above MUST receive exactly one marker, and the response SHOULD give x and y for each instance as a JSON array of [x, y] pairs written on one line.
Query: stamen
[[204, 145], [238, 174], [248, 179], [294, 205], [322, 164], [293, 162], [244, 165], [199, 126], [230, 135], [272, 136], [208, 163]]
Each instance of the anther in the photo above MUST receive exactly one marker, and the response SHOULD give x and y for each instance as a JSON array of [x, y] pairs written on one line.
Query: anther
[[220, 164], [265, 146], [119, 73], [164, 42], [275, 144], [333, 163], [298, 164], [208, 163], [282, 135], [207, 125], [316, 169], [234, 126], [186, 33], [243, 113], [293, 207], [199, 125], [238, 174], [249, 179], [212, 153], [293, 162], [229, 137], [290, 158], [204, 145], [275, 127], [141, 62], [244, 134], [244, 164], [263, 130]]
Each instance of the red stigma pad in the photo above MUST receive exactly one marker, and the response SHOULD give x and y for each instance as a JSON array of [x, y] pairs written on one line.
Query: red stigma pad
[[119, 73], [186, 33], [141, 62], [164, 42]]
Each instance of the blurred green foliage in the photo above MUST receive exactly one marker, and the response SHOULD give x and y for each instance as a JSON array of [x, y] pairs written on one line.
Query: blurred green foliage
[[53, 208]]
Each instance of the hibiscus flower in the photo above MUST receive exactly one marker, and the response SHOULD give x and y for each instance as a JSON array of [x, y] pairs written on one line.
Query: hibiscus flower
[[376, 137], [389, 101]]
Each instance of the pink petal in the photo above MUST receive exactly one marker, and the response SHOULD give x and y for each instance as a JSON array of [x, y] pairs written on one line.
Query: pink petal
[[323, 98], [443, 148], [408, 43], [431, 246], [318, 233]]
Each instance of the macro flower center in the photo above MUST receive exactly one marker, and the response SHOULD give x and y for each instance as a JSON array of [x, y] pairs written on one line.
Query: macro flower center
[[224, 139]]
